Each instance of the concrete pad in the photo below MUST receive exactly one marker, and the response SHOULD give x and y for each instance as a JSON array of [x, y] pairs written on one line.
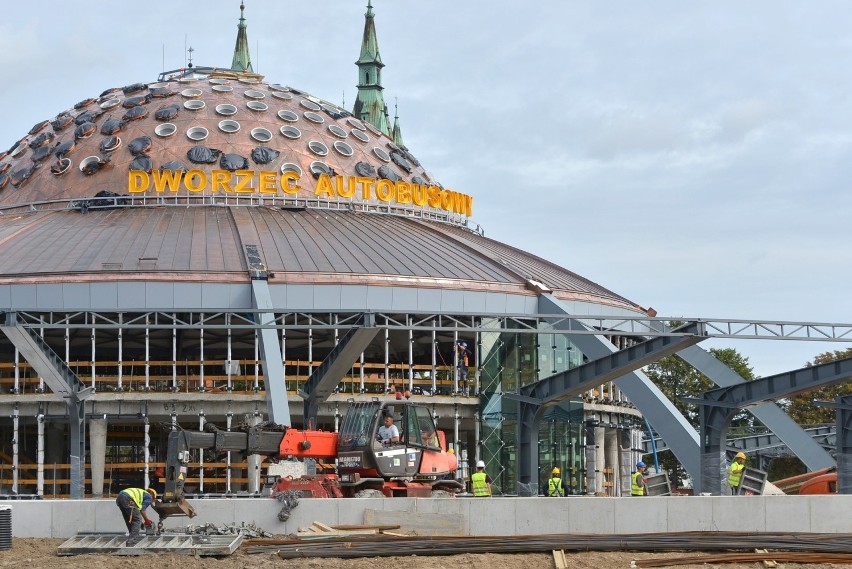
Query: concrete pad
[[491, 516], [830, 513], [688, 513], [739, 513], [783, 511], [542, 516], [587, 514], [642, 514], [419, 523]]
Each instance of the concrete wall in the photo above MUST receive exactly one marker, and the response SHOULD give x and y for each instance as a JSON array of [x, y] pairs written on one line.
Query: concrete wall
[[476, 516]]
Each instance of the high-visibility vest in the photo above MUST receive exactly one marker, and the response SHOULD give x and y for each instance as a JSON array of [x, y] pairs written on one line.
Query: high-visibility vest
[[736, 475], [478, 481], [136, 494], [554, 487], [635, 488]]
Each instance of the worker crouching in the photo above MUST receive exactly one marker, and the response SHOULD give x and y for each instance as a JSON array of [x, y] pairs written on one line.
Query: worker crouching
[[133, 502]]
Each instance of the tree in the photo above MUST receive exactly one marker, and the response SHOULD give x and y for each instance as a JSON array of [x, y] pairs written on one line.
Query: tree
[[678, 380], [801, 407]]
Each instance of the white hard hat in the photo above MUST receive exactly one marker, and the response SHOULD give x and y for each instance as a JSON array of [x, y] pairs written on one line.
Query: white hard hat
[[480, 464]]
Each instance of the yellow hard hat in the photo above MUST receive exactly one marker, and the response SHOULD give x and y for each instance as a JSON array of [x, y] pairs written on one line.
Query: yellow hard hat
[[555, 471], [451, 451], [152, 492], [741, 455]]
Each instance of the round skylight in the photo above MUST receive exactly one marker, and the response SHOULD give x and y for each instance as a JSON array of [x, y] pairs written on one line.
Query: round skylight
[[290, 131], [361, 135], [318, 167], [318, 148], [222, 88], [197, 133], [254, 94], [191, 93], [381, 154], [290, 167], [229, 126], [218, 81], [310, 105], [261, 134], [257, 106], [282, 96], [226, 109], [337, 131], [373, 129], [110, 103], [314, 117], [343, 148], [62, 166], [288, 116], [165, 129], [356, 123], [194, 105]]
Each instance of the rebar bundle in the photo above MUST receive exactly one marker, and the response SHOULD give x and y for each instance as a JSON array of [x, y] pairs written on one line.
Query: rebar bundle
[[383, 545]]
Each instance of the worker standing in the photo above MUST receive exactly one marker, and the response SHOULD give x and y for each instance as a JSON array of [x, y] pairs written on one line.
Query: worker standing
[[480, 481], [555, 486], [463, 362], [133, 502], [638, 484], [735, 473]]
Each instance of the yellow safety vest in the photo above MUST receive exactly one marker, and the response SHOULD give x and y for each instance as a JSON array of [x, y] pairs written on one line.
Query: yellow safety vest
[[554, 487], [480, 486], [635, 489], [736, 475], [136, 494]]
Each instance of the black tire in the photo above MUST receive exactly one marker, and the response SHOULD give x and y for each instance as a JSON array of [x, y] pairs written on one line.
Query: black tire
[[369, 493], [442, 494]]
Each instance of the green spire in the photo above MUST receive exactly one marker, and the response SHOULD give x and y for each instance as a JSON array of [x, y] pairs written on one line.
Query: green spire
[[242, 57], [397, 131], [370, 104]]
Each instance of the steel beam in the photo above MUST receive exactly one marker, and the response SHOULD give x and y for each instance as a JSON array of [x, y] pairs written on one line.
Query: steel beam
[[574, 381], [270, 354], [797, 440], [718, 407], [62, 381], [654, 405], [844, 444], [335, 366]]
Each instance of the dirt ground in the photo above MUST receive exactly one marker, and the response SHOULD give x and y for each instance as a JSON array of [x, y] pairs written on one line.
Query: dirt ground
[[32, 553]]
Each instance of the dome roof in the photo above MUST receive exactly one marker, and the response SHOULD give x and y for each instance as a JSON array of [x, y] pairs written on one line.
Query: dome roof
[[80, 201]]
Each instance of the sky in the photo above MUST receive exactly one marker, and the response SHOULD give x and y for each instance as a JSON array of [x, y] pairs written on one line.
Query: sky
[[692, 157]]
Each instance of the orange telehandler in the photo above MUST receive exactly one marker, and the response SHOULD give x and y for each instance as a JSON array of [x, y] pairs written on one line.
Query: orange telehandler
[[417, 466]]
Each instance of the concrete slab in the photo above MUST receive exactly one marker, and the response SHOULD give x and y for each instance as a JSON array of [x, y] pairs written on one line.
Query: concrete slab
[[829, 513], [685, 513], [493, 516], [780, 510], [419, 523], [630, 515], [542, 516], [740, 513], [588, 514]]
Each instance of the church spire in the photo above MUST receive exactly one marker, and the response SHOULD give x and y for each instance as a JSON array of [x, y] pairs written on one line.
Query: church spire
[[242, 57], [370, 104], [397, 131]]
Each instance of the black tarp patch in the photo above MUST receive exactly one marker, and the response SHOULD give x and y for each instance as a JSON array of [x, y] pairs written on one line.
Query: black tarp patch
[[264, 155], [139, 145], [203, 155]]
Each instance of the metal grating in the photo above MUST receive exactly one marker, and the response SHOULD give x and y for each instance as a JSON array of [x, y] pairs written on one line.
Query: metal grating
[[202, 545]]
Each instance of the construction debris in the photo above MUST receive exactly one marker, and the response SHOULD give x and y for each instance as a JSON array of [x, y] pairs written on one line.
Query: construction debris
[[243, 529]]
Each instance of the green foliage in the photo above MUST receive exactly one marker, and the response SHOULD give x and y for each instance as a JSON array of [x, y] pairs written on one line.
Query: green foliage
[[801, 407]]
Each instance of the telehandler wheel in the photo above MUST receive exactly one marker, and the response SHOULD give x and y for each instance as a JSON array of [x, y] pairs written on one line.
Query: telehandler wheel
[[369, 493]]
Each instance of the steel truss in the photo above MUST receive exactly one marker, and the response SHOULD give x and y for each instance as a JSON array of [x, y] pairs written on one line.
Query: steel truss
[[247, 318]]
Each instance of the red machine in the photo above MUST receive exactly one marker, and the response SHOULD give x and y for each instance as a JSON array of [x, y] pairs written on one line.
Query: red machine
[[418, 465]]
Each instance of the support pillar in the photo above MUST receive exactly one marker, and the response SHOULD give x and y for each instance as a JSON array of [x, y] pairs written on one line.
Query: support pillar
[[253, 461], [600, 460], [611, 439], [97, 451]]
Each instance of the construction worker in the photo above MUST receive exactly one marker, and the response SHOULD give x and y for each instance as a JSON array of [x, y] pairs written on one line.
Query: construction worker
[[555, 486], [133, 502], [388, 433], [638, 483], [735, 473], [463, 355], [480, 481]]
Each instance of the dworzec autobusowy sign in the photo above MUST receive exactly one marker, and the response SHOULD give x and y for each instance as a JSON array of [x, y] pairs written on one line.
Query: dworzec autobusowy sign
[[289, 183]]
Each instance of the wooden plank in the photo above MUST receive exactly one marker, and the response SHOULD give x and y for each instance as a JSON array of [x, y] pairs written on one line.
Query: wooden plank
[[559, 559], [766, 562], [363, 526], [322, 527], [419, 524]]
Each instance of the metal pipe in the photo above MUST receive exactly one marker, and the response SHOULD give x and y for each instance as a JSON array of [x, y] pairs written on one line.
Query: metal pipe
[[387, 356], [434, 359], [201, 383], [15, 435], [147, 452], [174, 355], [147, 353], [228, 418], [120, 352]]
